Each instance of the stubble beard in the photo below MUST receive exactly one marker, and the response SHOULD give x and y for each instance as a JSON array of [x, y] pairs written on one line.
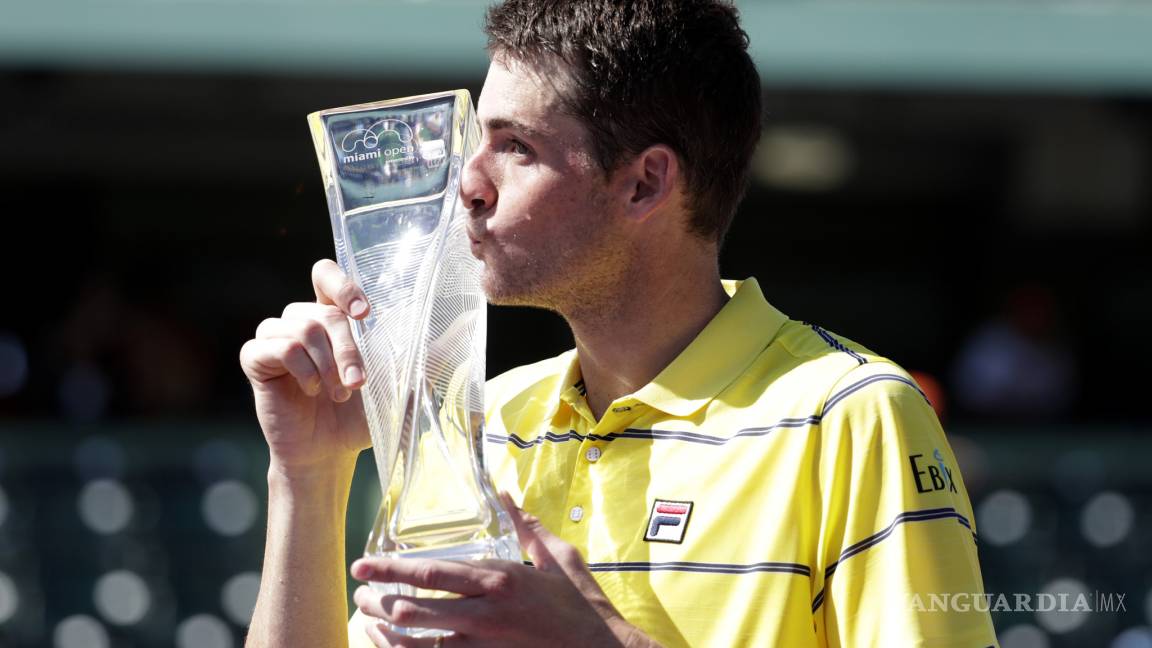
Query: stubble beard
[[565, 279]]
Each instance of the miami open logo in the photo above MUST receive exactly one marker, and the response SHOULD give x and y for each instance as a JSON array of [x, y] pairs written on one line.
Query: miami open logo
[[390, 140]]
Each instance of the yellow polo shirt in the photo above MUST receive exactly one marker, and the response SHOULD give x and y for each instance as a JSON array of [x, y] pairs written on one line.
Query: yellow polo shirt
[[776, 485]]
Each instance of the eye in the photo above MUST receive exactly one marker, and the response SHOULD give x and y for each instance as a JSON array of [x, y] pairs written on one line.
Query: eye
[[516, 146]]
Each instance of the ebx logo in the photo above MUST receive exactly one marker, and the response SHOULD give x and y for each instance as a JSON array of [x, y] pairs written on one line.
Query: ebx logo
[[388, 139], [931, 476], [668, 521]]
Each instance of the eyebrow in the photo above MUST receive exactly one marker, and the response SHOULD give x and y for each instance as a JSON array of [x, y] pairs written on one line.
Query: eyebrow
[[501, 123]]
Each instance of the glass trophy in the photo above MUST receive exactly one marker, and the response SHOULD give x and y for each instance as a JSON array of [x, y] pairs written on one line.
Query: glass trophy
[[391, 173]]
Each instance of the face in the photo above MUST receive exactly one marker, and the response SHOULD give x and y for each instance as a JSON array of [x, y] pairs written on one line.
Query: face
[[542, 213]]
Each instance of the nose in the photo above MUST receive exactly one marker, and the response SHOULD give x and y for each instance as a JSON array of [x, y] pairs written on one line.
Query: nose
[[477, 189]]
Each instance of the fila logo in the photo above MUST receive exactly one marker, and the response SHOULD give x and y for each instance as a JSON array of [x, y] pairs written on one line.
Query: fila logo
[[668, 521]]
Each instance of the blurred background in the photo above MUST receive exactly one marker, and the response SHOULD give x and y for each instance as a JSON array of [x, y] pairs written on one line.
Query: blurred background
[[963, 186]]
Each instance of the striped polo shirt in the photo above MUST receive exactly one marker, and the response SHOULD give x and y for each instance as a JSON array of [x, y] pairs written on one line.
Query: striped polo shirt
[[776, 485]]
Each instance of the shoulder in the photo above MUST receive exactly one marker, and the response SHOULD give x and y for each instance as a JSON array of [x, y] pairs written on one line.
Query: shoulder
[[840, 379], [811, 342], [878, 405], [871, 385], [818, 364]]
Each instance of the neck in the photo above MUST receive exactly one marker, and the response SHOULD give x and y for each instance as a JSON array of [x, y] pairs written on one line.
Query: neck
[[632, 333]]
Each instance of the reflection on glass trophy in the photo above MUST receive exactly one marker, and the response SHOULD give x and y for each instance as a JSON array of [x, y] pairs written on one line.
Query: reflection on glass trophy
[[391, 172]]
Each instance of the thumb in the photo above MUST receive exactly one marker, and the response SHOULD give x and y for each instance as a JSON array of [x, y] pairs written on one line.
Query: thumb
[[538, 542], [549, 553]]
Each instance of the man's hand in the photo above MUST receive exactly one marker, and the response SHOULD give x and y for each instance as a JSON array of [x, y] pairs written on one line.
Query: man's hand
[[556, 603], [305, 372]]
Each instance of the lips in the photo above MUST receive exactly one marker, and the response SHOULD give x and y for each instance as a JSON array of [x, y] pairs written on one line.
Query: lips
[[477, 241], [477, 231]]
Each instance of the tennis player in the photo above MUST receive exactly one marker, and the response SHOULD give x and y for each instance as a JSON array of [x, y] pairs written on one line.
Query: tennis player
[[700, 470]]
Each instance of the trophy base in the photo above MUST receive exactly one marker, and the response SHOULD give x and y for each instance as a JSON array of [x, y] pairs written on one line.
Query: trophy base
[[506, 548]]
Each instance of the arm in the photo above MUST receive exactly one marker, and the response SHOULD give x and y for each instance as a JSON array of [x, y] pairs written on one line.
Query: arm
[[302, 587], [305, 370], [897, 527]]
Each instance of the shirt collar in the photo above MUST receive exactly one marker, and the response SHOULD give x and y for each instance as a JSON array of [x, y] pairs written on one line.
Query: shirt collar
[[569, 387], [719, 354]]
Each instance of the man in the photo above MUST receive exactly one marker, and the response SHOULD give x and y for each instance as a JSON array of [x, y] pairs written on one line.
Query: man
[[702, 470]]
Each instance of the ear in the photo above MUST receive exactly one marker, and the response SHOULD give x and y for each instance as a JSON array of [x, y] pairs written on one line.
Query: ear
[[652, 178]]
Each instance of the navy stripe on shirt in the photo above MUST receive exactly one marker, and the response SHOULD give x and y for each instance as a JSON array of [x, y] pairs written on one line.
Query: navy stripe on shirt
[[696, 437], [878, 537]]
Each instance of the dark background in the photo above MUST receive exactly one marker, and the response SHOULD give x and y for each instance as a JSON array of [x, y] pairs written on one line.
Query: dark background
[[152, 218], [190, 206]]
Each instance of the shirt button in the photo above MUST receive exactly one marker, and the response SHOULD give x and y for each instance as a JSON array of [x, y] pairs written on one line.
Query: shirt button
[[593, 454], [576, 514]]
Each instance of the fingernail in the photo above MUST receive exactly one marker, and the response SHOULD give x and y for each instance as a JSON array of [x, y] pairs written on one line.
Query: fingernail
[[313, 388], [342, 394], [353, 375], [358, 307]]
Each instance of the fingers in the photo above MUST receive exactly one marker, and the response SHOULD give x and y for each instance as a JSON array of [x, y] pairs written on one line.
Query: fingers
[[268, 359], [315, 340], [458, 614], [534, 538], [441, 575], [323, 333], [383, 637], [265, 360], [548, 552], [333, 287]]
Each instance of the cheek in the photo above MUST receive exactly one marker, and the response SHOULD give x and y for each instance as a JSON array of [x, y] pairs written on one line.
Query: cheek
[[539, 203], [526, 201]]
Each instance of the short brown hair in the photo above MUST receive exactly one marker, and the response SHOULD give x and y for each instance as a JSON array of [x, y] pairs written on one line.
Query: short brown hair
[[644, 72]]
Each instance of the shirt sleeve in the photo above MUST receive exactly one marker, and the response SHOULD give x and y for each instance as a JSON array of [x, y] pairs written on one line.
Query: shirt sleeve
[[897, 560]]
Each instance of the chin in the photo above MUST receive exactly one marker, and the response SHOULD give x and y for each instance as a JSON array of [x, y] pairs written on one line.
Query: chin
[[501, 295], [502, 291]]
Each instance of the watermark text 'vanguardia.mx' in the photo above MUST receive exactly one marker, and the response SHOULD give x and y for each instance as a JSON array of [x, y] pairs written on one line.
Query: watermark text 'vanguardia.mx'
[[1019, 602]]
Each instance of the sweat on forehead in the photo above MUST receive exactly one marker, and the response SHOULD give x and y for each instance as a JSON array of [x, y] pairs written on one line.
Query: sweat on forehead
[[547, 72]]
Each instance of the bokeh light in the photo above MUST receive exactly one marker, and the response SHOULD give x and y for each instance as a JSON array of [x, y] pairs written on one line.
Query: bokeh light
[[238, 597], [1133, 638], [1063, 618], [122, 597], [80, 631], [1107, 519], [230, 507], [203, 631], [1003, 517], [9, 598], [13, 364], [105, 506]]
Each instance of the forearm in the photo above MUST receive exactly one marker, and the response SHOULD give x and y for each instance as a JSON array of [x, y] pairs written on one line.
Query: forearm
[[303, 595]]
